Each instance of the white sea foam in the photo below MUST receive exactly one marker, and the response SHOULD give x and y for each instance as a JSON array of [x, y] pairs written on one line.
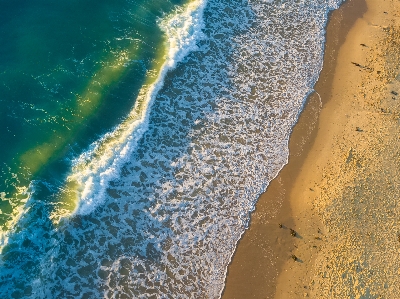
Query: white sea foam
[[93, 170], [216, 135], [18, 210]]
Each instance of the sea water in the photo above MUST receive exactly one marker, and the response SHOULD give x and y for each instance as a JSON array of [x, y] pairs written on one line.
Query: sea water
[[138, 135]]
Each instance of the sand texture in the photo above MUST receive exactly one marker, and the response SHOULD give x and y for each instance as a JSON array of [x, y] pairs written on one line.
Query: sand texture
[[340, 191], [350, 179]]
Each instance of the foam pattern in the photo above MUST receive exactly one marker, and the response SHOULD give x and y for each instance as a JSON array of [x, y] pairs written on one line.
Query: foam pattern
[[94, 168], [217, 135]]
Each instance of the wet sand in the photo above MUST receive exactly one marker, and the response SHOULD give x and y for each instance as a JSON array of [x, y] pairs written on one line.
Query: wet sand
[[340, 190]]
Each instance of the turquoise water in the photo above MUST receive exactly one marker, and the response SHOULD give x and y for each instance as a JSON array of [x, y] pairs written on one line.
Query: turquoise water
[[137, 136], [70, 71]]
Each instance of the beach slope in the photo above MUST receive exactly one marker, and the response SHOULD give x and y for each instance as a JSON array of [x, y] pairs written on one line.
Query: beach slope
[[327, 227]]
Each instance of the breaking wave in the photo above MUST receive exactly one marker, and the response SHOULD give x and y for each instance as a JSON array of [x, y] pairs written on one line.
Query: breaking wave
[[165, 197]]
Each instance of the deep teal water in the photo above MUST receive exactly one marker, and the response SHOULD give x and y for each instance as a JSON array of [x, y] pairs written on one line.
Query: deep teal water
[[69, 72], [162, 195]]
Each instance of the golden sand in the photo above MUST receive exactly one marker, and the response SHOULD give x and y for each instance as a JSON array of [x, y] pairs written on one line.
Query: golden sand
[[340, 190]]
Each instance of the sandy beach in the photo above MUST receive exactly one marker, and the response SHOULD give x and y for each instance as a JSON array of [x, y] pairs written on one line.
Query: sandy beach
[[327, 227]]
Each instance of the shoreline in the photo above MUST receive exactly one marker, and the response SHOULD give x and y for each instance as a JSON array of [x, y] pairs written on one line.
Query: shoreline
[[262, 266]]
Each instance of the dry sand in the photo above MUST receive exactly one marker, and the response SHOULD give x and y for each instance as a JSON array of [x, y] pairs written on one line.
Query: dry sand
[[340, 190]]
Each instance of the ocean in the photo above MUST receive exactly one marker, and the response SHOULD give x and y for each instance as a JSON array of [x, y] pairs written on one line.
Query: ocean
[[137, 136]]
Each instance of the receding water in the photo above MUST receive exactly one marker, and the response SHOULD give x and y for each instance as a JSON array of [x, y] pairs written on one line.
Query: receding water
[[137, 136], [70, 72]]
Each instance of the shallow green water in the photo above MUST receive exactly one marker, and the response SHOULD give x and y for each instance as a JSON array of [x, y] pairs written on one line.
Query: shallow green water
[[69, 72]]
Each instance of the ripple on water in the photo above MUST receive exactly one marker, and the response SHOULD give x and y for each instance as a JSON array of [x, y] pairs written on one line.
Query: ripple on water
[[218, 133]]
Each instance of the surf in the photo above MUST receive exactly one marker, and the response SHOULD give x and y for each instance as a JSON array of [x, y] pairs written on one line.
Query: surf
[[91, 171]]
